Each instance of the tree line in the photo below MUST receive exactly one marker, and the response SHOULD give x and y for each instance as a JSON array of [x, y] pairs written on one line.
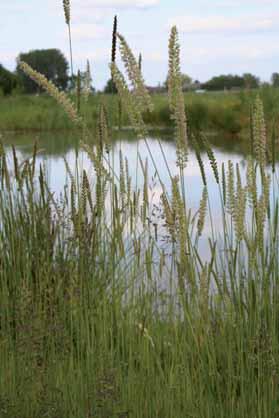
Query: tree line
[[49, 62], [54, 65]]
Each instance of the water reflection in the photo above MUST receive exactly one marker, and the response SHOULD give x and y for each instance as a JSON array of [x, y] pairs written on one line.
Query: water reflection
[[58, 144], [55, 147]]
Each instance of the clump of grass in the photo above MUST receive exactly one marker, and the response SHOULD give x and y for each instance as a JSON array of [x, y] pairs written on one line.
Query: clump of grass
[[107, 306]]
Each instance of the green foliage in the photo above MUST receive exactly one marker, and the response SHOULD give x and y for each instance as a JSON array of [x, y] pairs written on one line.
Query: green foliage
[[110, 87], [220, 112], [275, 79], [270, 98], [49, 62], [8, 81], [250, 81], [198, 115], [230, 81], [225, 120]]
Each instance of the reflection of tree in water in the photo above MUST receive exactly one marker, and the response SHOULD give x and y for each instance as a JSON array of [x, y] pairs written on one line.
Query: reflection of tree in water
[[225, 143], [230, 144], [58, 144], [50, 144], [237, 144]]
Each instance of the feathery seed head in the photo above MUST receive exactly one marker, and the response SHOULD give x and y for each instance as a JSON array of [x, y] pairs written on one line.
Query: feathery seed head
[[67, 11], [87, 82], [114, 40], [211, 157], [240, 210], [231, 191], [259, 132], [202, 211], [140, 62], [199, 159], [260, 220], [176, 99], [251, 183], [52, 90], [103, 131], [134, 75], [129, 101]]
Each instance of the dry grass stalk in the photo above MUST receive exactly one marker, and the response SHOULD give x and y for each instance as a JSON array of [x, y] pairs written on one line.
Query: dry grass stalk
[[202, 211], [53, 91], [176, 100], [259, 132], [135, 76]]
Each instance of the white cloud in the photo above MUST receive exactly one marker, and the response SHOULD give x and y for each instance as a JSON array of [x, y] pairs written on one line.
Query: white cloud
[[10, 8], [87, 15], [100, 55], [97, 10], [155, 56], [225, 24], [233, 3], [88, 31], [233, 54], [7, 57], [123, 3]]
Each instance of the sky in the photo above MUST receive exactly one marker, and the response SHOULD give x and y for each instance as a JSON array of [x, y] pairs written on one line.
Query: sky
[[216, 36]]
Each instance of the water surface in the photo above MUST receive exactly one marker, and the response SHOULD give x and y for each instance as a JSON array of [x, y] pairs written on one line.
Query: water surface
[[54, 147]]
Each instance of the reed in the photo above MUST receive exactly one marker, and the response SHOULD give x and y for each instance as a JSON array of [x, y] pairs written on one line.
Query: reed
[[67, 13], [108, 308], [53, 91]]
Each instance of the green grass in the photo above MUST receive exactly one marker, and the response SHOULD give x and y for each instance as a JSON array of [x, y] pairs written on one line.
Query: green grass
[[109, 308], [86, 328], [97, 321], [34, 113], [210, 112]]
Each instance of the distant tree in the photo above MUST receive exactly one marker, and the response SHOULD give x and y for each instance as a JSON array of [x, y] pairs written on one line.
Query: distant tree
[[186, 81], [265, 85], [231, 81], [8, 81], [110, 87], [49, 62], [275, 79], [223, 82], [251, 81]]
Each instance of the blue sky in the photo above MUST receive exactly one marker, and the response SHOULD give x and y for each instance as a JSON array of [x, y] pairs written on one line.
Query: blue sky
[[216, 36]]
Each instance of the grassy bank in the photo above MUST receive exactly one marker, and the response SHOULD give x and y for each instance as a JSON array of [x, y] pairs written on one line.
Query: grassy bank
[[217, 112], [108, 306]]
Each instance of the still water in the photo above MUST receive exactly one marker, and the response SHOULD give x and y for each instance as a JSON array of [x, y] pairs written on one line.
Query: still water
[[54, 147]]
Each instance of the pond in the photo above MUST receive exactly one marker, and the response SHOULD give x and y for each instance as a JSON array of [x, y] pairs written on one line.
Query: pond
[[55, 147]]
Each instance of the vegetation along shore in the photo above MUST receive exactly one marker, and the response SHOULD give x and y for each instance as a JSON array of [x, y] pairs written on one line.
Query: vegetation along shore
[[221, 112], [109, 306]]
